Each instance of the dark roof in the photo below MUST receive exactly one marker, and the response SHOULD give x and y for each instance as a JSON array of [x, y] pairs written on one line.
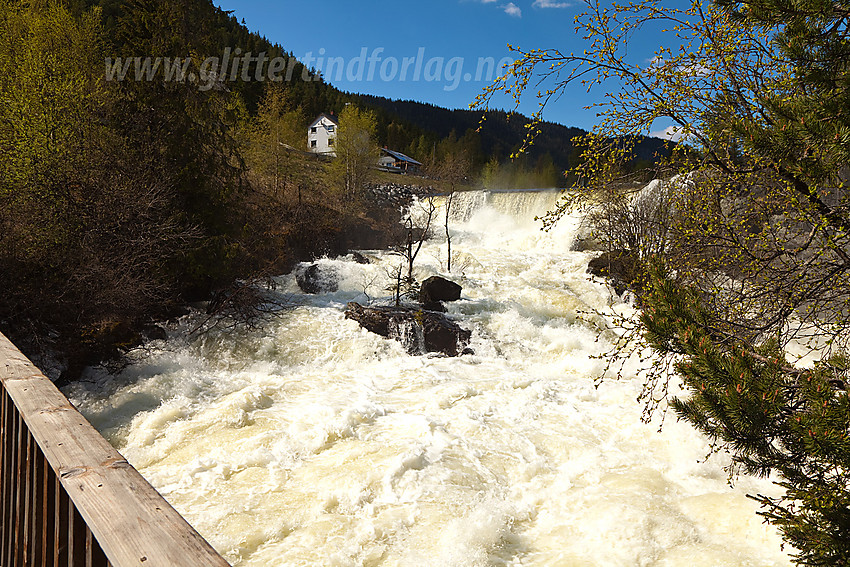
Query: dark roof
[[400, 156], [330, 117]]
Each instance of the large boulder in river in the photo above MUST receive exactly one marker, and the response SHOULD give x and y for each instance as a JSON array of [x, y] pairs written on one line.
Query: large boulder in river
[[316, 279], [418, 330], [436, 289], [620, 267]]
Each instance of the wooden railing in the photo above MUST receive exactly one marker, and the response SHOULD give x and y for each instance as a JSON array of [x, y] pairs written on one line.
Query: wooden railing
[[67, 497]]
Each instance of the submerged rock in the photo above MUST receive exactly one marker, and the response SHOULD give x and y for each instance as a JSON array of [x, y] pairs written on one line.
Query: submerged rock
[[420, 331], [316, 279]]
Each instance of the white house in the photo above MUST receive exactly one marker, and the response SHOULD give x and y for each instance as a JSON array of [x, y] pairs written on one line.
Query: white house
[[321, 135], [321, 139]]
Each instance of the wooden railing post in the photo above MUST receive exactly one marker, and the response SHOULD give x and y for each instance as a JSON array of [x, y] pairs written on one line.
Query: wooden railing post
[[67, 497]]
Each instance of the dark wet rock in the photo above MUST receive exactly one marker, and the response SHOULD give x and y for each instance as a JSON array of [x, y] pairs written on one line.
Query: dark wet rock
[[360, 258], [586, 244], [620, 267], [315, 279], [53, 364], [434, 306], [154, 333], [420, 331], [175, 312], [437, 288], [396, 194]]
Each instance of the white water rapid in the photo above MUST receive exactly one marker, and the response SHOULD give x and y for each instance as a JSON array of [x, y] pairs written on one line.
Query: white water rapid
[[313, 442]]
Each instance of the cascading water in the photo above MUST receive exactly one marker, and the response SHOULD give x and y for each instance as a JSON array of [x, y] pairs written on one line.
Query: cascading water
[[314, 442]]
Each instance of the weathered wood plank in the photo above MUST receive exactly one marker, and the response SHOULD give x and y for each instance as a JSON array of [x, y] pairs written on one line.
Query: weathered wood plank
[[11, 482], [20, 459], [61, 523], [77, 541], [132, 523], [46, 525], [8, 473], [5, 451], [28, 501]]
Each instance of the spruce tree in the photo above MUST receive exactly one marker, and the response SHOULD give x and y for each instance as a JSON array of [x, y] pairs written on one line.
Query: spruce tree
[[775, 418]]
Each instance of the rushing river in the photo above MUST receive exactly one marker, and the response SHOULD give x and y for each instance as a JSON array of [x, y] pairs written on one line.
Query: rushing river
[[313, 442]]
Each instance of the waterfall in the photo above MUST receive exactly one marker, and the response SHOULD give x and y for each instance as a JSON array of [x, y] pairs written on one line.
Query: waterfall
[[310, 441], [521, 205]]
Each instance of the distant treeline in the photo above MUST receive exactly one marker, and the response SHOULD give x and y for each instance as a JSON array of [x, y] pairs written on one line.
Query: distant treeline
[[421, 130]]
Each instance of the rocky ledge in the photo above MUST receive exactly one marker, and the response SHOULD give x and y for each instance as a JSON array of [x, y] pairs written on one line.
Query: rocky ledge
[[620, 267], [396, 194], [419, 330]]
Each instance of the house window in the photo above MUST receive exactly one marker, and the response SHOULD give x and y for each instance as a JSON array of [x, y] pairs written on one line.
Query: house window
[[330, 141], [313, 130], [312, 143], [331, 128]]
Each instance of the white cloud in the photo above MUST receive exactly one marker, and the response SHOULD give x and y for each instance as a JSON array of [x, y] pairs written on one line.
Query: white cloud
[[673, 133], [512, 9], [550, 4]]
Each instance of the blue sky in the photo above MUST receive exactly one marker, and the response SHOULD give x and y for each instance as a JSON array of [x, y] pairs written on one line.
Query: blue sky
[[453, 44]]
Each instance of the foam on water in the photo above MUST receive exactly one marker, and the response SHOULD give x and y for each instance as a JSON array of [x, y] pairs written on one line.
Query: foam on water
[[314, 442]]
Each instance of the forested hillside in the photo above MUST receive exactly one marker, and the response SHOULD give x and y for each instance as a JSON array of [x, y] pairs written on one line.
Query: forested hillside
[[425, 131], [121, 201]]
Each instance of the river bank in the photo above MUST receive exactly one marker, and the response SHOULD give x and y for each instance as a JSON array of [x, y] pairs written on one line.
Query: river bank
[[310, 230]]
